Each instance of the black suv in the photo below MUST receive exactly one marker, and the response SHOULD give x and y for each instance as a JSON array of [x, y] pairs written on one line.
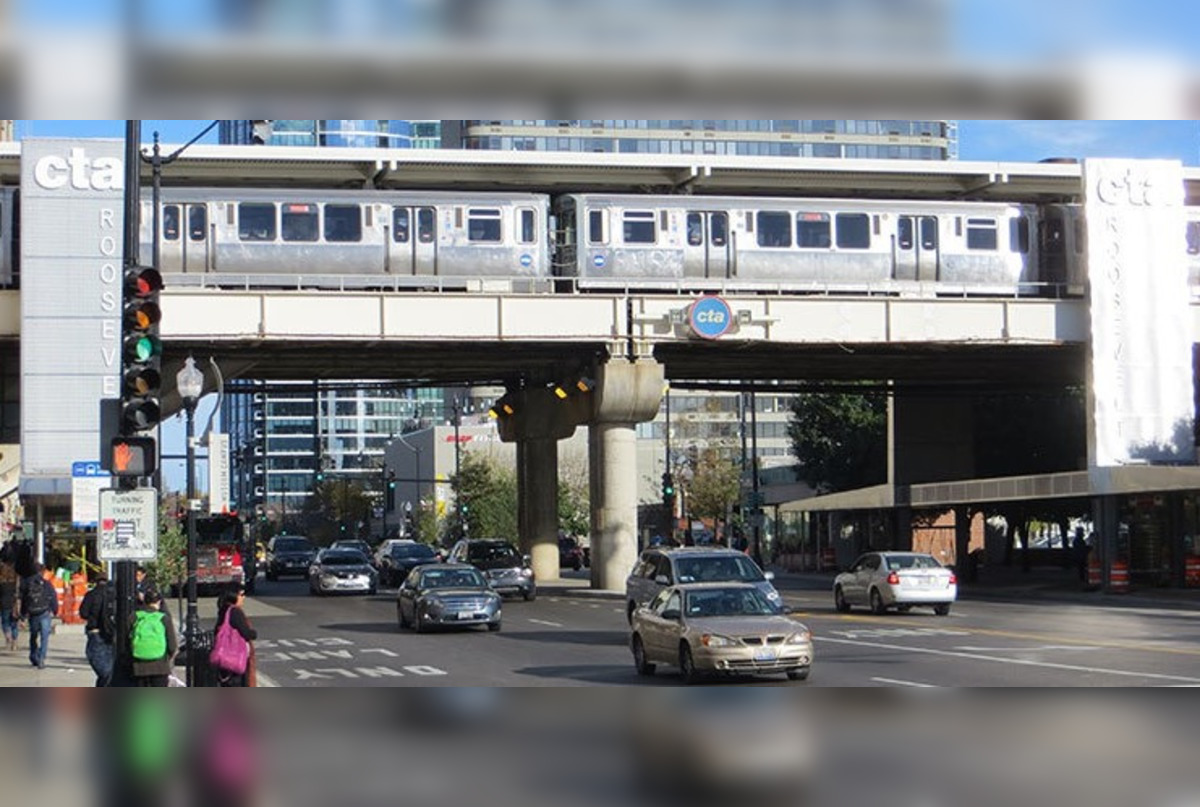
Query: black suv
[[502, 564], [289, 554]]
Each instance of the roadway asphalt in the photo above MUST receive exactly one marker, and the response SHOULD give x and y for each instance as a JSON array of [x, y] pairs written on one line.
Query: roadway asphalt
[[66, 664]]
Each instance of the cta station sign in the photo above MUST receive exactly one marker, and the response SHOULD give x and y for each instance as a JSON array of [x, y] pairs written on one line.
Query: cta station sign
[[710, 317]]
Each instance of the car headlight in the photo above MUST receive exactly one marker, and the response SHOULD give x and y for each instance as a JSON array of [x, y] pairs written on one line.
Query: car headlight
[[526, 573], [802, 636], [717, 640], [433, 607]]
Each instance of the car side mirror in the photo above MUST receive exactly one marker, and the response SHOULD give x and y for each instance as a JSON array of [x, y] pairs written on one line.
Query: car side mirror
[[528, 561], [769, 575], [662, 579], [671, 614]]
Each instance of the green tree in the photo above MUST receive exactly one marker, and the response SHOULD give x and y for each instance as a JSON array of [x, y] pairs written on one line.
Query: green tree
[[490, 491], [715, 485], [169, 569], [839, 439], [574, 508], [335, 509]]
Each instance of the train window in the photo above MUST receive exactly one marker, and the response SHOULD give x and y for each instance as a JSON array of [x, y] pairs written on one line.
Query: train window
[[197, 222], [639, 227], [774, 229], [343, 223], [695, 230], [400, 225], [256, 221], [1079, 236], [170, 223], [904, 233], [982, 234], [1018, 234], [929, 232], [1193, 238], [596, 233], [299, 222], [425, 225], [483, 224], [527, 229], [853, 231], [812, 231], [718, 229]]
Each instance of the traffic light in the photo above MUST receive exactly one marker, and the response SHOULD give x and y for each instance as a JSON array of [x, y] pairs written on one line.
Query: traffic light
[[141, 351], [668, 487], [390, 500], [133, 456]]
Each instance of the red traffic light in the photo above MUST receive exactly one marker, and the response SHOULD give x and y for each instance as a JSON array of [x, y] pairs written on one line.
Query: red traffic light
[[142, 282], [134, 456]]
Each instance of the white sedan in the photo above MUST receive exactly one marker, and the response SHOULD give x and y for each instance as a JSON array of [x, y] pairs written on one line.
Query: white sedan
[[883, 580]]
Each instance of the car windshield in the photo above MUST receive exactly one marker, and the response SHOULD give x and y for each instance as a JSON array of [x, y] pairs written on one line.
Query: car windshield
[[728, 602], [414, 551], [720, 569], [343, 559], [482, 553], [452, 578], [897, 563], [293, 545]]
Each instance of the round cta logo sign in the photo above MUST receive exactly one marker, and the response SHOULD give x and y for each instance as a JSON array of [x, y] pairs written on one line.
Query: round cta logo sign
[[710, 317]]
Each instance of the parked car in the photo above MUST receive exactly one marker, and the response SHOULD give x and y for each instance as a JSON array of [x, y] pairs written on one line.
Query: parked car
[[883, 580], [401, 558], [506, 569], [727, 628], [447, 595], [337, 570], [570, 553], [289, 555], [661, 567]]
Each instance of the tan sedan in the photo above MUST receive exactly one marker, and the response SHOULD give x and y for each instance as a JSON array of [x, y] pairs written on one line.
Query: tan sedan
[[729, 628]]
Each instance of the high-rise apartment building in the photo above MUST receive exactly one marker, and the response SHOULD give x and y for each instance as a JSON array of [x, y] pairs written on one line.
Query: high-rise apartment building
[[346, 133]]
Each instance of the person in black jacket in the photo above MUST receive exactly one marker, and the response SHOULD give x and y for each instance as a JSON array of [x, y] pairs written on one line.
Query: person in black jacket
[[39, 605], [155, 672], [99, 609], [233, 601], [9, 582]]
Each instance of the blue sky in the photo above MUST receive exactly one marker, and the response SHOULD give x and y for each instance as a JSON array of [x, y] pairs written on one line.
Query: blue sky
[[1009, 141]]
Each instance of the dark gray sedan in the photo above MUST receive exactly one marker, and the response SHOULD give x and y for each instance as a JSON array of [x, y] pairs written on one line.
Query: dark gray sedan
[[447, 595]]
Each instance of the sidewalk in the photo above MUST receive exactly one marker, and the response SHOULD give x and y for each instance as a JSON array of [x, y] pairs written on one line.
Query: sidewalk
[[1013, 584], [66, 664]]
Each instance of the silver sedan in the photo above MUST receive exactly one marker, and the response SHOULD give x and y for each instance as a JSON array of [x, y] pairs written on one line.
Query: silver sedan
[[883, 580], [447, 595], [729, 628], [341, 570]]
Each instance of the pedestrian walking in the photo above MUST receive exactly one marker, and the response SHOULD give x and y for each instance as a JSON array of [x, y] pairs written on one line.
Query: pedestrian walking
[[39, 606], [99, 610], [1081, 550], [9, 582], [144, 587], [153, 643], [233, 601]]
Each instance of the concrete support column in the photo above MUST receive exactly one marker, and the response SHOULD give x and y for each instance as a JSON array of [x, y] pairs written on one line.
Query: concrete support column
[[614, 545], [537, 504], [962, 542]]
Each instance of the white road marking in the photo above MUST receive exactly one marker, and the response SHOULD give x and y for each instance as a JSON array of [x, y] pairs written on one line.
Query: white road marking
[[1033, 649], [898, 682], [265, 680], [546, 623], [1015, 661]]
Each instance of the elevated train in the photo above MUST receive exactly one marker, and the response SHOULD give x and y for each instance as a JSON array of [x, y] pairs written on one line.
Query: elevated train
[[607, 242]]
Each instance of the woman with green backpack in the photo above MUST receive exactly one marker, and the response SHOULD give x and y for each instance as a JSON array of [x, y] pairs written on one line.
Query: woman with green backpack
[[153, 643]]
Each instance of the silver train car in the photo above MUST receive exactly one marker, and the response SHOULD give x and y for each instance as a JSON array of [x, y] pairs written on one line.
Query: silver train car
[[799, 244], [339, 238]]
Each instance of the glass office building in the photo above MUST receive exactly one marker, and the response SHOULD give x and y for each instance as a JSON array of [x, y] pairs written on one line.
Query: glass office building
[[345, 133]]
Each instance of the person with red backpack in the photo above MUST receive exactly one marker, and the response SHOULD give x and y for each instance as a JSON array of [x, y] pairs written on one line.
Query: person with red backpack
[[153, 643]]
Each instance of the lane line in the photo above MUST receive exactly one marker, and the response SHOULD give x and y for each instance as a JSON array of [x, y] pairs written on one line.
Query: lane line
[[266, 681], [546, 623], [898, 682], [1013, 661]]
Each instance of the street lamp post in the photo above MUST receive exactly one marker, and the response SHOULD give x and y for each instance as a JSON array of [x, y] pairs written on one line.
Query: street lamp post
[[190, 383]]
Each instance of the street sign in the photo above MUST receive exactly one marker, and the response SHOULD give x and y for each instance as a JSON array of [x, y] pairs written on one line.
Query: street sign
[[128, 524], [87, 480], [218, 472]]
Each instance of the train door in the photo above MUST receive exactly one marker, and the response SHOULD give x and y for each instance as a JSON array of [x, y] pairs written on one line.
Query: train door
[[917, 250], [706, 245], [413, 247], [184, 241]]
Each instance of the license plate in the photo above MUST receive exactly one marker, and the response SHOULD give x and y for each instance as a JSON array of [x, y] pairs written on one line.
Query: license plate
[[765, 655], [464, 615]]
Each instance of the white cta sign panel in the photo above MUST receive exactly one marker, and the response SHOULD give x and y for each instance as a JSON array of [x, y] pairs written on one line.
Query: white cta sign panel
[[128, 525], [1140, 407], [218, 473]]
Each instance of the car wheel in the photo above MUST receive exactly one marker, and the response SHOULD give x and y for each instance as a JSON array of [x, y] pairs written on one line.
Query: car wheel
[[400, 618], [577, 565], [639, 657], [629, 609], [839, 601], [272, 576], [494, 627], [942, 609], [877, 606], [372, 591], [529, 594], [904, 609], [687, 665], [798, 675], [418, 622]]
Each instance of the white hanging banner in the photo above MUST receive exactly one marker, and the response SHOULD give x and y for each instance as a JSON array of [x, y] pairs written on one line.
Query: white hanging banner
[[1140, 391], [218, 472]]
